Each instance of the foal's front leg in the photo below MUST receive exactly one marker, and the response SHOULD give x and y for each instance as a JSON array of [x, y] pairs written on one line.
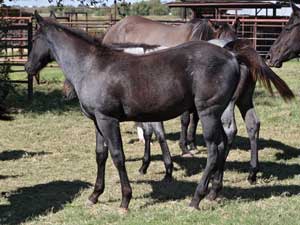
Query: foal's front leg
[[101, 157], [110, 128]]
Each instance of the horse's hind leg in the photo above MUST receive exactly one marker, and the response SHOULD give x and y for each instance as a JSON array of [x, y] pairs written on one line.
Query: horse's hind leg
[[191, 136], [246, 108], [110, 128], [185, 120], [217, 179], [215, 142], [229, 124], [159, 131], [101, 157], [147, 132]]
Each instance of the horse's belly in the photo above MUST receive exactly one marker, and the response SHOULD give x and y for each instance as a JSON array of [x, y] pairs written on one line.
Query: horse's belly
[[158, 111]]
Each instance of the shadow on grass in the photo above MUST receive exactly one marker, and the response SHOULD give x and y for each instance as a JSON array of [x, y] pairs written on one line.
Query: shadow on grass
[[3, 177], [43, 101], [177, 190], [17, 154], [195, 165], [29, 202], [243, 144]]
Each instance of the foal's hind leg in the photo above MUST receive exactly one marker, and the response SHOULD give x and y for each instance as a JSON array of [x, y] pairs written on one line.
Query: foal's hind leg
[[147, 132], [110, 128], [185, 120], [215, 142], [246, 108], [158, 128], [101, 157], [191, 136]]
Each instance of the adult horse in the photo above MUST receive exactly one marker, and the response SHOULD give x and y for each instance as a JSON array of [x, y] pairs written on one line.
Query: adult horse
[[113, 86], [287, 45], [135, 29]]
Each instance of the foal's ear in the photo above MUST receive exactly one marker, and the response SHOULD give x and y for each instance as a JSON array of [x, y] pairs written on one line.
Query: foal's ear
[[236, 24], [296, 10], [38, 18]]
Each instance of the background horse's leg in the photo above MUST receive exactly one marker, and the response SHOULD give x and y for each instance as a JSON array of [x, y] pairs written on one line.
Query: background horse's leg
[[253, 126], [191, 136], [246, 107], [158, 128], [101, 157], [147, 132], [110, 128], [229, 124], [185, 120], [214, 138]]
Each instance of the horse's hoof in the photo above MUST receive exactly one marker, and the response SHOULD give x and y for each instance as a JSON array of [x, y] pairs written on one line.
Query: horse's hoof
[[142, 171], [89, 203], [194, 206], [168, 179], [212, 196], [187, 155], [252, 179], [123, 211]]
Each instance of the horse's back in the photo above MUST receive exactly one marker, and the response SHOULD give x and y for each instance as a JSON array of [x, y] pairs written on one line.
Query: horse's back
[[136, 29]]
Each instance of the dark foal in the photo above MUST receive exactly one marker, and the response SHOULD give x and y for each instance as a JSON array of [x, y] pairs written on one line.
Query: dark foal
[[42, 57], [156, 33], [113, 86], [287, 45]]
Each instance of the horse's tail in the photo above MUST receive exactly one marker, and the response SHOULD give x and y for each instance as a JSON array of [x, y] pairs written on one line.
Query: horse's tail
[[258, 69], [4, 113]]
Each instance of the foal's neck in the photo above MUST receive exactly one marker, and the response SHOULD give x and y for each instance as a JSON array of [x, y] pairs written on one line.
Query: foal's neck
[[74, 55]]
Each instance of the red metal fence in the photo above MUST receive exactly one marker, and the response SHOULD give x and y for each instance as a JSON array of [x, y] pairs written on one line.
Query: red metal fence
[[18, 41]]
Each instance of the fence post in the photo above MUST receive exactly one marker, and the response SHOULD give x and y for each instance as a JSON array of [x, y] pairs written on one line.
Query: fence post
[[29, 44]]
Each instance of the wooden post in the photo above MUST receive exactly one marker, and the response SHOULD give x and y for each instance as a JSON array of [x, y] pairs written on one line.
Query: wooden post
[[30, 78]]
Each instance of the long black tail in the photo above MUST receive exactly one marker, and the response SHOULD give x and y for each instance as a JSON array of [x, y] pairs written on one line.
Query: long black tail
[[259, 70]]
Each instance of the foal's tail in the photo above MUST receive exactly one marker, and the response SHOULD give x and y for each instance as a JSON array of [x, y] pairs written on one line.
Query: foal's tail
[[259, 70]]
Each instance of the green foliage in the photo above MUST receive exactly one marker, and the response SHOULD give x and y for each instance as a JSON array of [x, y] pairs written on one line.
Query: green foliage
[[146, 8], [4, 69]]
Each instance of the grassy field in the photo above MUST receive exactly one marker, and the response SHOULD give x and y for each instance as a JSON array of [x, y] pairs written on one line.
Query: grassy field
[[47, 167]]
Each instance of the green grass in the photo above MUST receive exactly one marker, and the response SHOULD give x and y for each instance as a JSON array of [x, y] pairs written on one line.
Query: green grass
[[47, 166]]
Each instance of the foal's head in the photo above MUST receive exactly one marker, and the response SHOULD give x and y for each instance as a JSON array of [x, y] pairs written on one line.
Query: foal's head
[[287, 45], [40, 54]]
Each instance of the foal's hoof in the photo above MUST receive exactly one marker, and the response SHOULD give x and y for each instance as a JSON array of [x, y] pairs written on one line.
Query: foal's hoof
[[192, 146], [167, 179], [123, 211], [89, 203], [142, 171], [187, 155], [251, 180], [212, 195], [194, 206]]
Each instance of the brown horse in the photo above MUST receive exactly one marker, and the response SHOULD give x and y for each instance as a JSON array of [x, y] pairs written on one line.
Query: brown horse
[[287, 45], [137, 29]]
